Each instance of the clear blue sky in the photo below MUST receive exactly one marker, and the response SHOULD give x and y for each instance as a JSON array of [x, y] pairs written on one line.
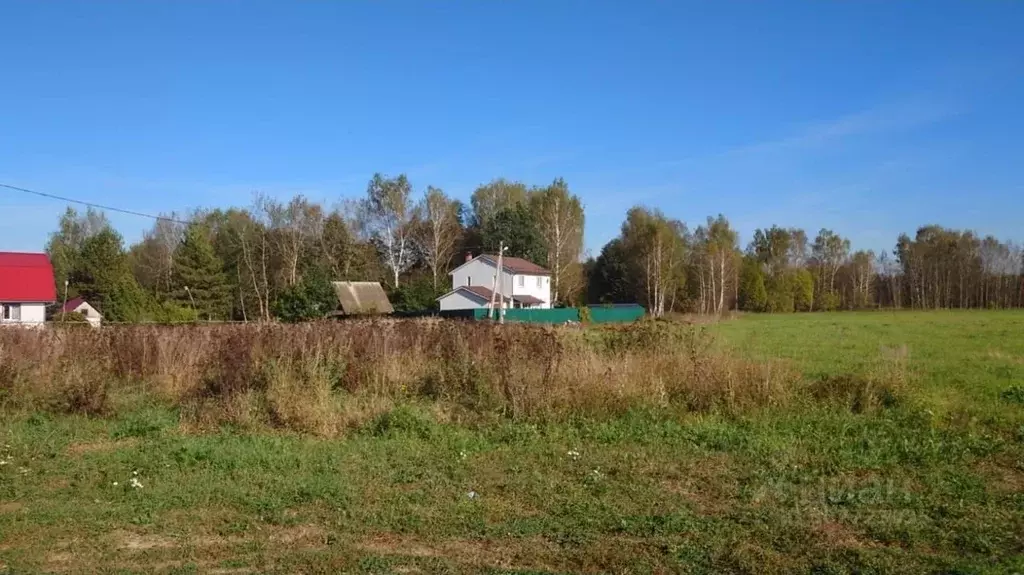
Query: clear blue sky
[[867, 117]]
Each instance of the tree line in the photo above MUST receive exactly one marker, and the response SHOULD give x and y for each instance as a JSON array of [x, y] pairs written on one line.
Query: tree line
[[276, 259]]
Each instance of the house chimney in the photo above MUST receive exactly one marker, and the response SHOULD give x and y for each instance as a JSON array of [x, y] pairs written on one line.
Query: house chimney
[[469, 256]]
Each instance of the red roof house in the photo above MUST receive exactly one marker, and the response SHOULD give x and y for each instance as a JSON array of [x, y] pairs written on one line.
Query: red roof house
[[26, 278]]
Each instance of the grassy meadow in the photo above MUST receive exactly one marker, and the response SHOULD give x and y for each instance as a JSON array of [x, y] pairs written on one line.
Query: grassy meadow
[[818, 443]]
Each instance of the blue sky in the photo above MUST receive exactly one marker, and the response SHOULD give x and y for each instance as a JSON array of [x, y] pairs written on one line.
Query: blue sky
[[870, 118]]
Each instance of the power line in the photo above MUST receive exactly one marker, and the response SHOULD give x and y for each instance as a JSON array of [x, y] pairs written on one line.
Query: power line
[[92, 205]]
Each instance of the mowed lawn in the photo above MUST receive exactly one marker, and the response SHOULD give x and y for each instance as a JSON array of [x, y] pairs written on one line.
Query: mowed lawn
[[959, 359], [933, 482]]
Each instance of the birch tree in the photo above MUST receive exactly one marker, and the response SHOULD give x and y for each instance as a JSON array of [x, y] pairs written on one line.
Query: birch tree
[[292, 227], [829, 253], [559, 217], [153, 258], [496, 196], [658, 247], [719, 252], [862, 270], [249, 258], [437, 230], [387, 217]]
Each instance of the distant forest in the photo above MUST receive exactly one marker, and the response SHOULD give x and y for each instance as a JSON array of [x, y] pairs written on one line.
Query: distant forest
[[276, 259]]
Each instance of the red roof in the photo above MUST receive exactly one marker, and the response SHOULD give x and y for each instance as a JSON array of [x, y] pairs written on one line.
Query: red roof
[[487, 294], [72, 304], [26, 278], [517, 265], [480, 291], [527, 299]]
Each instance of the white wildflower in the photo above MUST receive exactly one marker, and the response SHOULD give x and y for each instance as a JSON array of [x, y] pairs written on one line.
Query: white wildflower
[[115, 484], [23, 470], [472, 495], [462, 455], [573, 454], [135, 483]]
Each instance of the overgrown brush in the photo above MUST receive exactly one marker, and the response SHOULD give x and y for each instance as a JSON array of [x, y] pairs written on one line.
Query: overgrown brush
[[882, 385], [322, 378]]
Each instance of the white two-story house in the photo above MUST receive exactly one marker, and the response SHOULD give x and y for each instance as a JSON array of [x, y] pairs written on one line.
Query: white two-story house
[[524, 284]]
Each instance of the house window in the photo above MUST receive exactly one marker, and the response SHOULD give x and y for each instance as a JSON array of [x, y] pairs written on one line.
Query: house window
[[522, 281], [540, 282], [12, 311]]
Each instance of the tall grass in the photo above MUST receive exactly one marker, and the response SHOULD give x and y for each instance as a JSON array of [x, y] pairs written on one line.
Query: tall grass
[[323, 378]]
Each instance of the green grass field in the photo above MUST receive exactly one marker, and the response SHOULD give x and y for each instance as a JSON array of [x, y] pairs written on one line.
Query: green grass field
[[961, 360], [932, 481]]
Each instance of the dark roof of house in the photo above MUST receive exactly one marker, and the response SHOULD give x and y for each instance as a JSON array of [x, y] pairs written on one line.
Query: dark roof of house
[[72, 304], [362, 297], [486, 293], [528, 299], [481, 291], [517, 265], [26, 278]]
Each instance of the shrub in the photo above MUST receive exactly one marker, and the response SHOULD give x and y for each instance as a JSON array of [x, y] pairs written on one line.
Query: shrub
[[312, 298], [1013, 394], [172, 313], [72, 318], [80, 386], [402, 420], [585, 315], [298, 395], [827, 301], [416, 296], [882, 387]]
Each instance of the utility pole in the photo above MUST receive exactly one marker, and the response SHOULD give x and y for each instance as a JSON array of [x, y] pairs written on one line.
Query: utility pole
[[63, 308], [193, 300], [496, 287], [501, 296]]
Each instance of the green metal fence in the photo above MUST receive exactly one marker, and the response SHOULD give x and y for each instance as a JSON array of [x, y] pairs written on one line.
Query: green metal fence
[[616, 314], [597, 314]]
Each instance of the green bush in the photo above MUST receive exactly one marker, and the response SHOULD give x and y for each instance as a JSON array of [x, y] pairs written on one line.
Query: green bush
[[827, 301], [170, 312], [69, 319], [753, 296], [312, 298], [585, 315], [144, 423], [417, 295], [803, 290], [1014, 394], [403, 420]]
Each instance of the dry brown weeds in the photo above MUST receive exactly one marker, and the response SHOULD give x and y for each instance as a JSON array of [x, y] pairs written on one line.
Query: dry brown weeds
[[323, 378]]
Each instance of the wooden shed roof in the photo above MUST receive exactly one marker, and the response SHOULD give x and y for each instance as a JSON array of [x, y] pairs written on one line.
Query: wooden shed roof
[[362, 298]]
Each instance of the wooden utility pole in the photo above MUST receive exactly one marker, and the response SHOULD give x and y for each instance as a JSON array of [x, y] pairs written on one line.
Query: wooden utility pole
[[501, 298], [496, 287]]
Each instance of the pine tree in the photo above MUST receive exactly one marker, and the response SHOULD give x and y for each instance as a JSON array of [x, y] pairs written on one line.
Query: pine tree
[[103, 276], [199, 275]]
